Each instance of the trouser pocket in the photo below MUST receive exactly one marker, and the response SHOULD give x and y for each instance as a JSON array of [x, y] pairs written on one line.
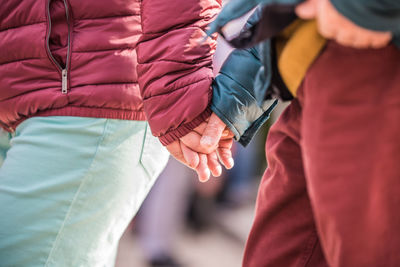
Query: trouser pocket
[[154, 156]]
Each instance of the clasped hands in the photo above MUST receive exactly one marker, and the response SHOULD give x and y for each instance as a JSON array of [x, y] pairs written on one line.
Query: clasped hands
[[205, 148]]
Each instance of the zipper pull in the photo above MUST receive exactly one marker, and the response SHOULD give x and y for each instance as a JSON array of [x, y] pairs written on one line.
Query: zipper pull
[[64, 81]]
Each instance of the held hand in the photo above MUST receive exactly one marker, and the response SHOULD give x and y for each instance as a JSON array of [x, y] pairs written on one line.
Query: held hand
[[335, 26], [217, 134], [210, 136], [188, 157], [201, 148]]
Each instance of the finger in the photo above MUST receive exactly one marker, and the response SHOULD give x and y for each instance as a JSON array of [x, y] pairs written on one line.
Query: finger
[[366, 39], [213, 132], [213, 164], [361, 43], [381, 41], [202, 169], [307, 10], [176, 151], [200, 129], [192, 158], [346, 39], [325, 29], [225, 157], [225, 153], [226, 143], [192, 141], [227, 134]]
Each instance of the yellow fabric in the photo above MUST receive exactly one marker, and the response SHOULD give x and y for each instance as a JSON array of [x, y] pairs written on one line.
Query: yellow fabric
[[297, 47]]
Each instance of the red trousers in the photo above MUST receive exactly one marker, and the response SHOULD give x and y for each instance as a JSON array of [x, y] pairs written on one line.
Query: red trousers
[[331, 193]]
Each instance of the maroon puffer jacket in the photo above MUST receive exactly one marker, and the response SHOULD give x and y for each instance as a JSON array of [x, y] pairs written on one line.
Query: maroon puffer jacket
[[79, 58]]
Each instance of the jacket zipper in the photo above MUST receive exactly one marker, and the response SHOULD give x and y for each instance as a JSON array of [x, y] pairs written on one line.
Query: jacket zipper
[[64, 72]]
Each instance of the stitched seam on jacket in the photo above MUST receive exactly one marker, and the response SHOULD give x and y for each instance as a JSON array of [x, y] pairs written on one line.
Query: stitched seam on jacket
[[185, 72], [108, 17], [20, 26], [52, 87], [106, 50], [167, 31], [18, 60], [176, 89], [99, 84], [199, 60], [90, 107]]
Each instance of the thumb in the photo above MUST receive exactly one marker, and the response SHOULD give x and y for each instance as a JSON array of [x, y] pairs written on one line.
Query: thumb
[[307, 9], [213, 132]]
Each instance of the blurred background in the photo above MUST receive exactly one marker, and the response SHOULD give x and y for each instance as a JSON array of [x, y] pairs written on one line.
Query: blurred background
[[187, 223]]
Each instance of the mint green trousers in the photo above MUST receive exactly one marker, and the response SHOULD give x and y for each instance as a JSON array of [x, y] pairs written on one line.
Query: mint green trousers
[[69, 186]]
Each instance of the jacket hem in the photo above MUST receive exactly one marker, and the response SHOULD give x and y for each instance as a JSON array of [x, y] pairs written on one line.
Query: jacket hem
[[104, 113]]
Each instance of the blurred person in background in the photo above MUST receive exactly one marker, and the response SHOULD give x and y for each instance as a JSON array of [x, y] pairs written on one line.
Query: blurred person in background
[[239, 182], [78, 79], [163, 218], [330, 193], [163, 214]]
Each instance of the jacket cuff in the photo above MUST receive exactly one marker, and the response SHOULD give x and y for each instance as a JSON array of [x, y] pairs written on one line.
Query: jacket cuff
[[244, 136], [256, 125], [184, 129]]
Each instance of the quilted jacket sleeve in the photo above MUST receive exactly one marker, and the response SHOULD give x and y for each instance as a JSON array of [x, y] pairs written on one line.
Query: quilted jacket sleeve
[[174, 71]]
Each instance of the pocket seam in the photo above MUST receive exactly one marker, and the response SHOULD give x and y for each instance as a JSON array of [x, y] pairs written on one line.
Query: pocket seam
[[142, 151]]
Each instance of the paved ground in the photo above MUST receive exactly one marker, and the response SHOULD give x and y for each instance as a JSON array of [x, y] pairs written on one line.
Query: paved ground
[[221, 246]]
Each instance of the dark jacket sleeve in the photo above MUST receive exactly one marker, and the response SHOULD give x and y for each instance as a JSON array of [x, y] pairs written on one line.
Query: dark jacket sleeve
[[236, 91], [378, 15], [174, 71], [235, 97]]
